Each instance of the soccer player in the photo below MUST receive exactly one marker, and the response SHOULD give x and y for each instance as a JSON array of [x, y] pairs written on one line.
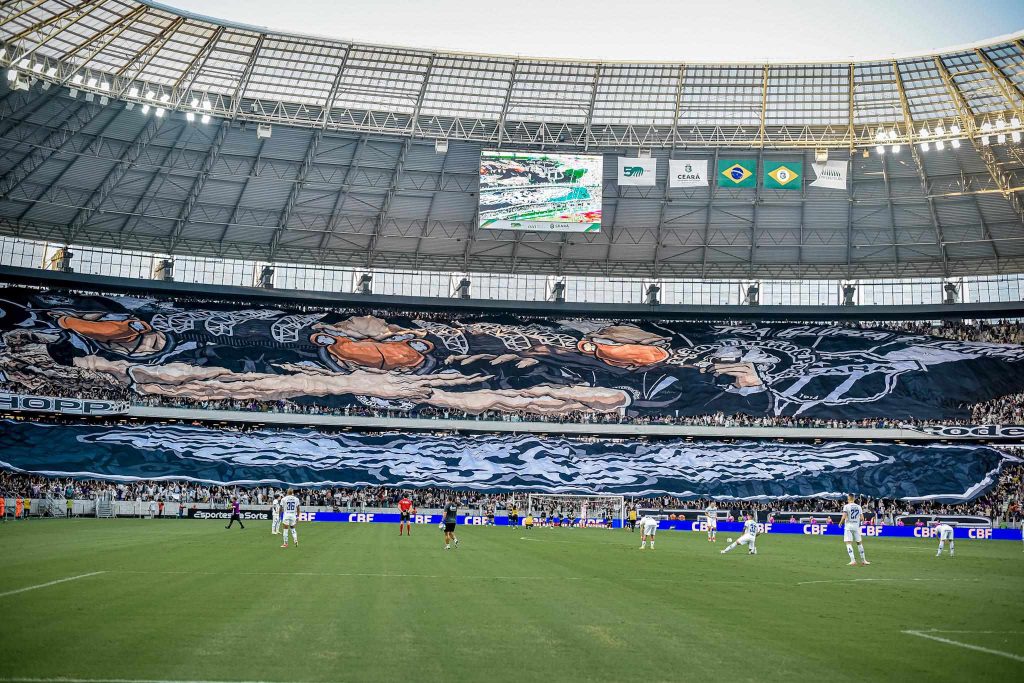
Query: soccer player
[[648, 527], [945, 533], [749, 537], [290, 505], [235, 510], [404, 516], [451, 513], [275, 515], [632, 519], [712, 520], [528, 522], [513, 516], [852, 515]]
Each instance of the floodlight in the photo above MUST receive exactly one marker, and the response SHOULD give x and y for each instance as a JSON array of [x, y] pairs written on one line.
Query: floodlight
[[880, 150]]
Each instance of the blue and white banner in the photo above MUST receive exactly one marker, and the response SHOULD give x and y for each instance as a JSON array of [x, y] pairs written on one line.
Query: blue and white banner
[[745, 470]]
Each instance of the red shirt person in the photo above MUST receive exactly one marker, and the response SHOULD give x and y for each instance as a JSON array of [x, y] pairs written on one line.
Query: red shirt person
[[405, 515]]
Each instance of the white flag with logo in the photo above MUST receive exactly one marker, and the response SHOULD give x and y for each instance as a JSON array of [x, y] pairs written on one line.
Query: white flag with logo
[[831, 174], [688, 173], [637, 172]]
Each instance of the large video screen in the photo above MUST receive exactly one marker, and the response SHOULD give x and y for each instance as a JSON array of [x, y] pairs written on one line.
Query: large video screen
[[541, 192]]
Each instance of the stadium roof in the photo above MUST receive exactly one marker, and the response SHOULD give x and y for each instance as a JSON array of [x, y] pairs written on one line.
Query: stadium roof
[[353, 177]]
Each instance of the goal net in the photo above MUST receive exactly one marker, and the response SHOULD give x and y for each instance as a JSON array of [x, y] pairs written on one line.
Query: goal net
[[584, 510]]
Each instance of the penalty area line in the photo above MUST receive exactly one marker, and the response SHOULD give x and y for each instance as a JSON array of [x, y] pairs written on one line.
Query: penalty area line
[[967, 646], [49, 583]]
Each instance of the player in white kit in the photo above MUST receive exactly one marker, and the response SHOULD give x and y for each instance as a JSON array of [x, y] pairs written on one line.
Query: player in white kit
[[275, 514], [945, 533], [290, 505], [648, 527], [852, 517], [712, 521], [749, 537]]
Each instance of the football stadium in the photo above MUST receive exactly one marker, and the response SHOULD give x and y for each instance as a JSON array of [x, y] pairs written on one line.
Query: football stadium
[[560, 320]]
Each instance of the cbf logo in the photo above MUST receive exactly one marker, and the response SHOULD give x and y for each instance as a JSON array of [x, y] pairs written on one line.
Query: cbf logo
[[632, 171]]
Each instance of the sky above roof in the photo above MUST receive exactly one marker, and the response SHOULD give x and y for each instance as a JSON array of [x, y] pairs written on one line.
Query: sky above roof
[[679, 30]]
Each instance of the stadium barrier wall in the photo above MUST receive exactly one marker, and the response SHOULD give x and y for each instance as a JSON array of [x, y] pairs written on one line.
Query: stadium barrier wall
[[700, 527]]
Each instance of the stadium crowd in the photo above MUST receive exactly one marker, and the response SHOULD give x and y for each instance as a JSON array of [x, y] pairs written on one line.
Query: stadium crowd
[[1002, 504]]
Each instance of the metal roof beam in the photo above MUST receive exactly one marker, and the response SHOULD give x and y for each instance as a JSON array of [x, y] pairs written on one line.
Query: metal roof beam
[[1011, 91], [243, 81], [148, 195], [940, 240], [197, 185], [339, 201], [382, 216], [254, 172], [293, 195], [50, 146], [130, 156], [81, 9]]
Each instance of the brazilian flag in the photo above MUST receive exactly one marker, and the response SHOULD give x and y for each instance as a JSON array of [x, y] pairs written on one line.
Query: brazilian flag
[[783, 175], [737, 172]]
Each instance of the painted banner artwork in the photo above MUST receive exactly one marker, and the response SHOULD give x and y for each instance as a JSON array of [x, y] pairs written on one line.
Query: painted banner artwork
[[93, 347], [746, 470]]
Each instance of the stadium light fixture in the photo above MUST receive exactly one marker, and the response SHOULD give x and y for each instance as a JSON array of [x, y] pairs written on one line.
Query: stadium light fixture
[[23, 63], [940, 145], [879, 150], [1001, 138], [895, 149], [940, 129], [165, 98], [159, 112], [150, 95], [92, 82], [954, 129], [1015, 136], [1015, 121], [77, 80], [134, 92], [880, 135], [1000, 124], [190, 117], [985, 140], [955, 143], [38, 67], [924, 146], [205, 118], [924, 131], [145, 109], [195, 103], [12, 74]]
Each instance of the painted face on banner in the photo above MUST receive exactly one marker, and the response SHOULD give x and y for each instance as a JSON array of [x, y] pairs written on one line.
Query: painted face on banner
[[117, 332], [369, 342]]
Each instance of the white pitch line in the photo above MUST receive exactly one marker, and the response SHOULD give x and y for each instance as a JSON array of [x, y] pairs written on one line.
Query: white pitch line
[[804, 583], [968, 646], [50, 583]]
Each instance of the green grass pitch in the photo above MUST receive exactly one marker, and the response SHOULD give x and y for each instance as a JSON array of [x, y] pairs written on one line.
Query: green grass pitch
[[187, 600]]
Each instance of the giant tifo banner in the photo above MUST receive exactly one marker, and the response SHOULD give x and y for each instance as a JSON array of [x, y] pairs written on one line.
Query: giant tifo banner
[[746, 470], [89, 346]]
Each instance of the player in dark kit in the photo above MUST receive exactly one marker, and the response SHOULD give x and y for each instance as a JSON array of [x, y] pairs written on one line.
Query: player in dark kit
[[235, 514], [451, 512], [404, 520]]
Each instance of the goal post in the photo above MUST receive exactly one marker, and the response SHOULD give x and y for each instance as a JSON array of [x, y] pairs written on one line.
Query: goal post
[[585, 507]]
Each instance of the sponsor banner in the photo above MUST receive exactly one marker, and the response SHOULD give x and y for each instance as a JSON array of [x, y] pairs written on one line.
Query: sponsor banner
[[72, 406], [468, 520], [737, 172], [540, 226], [783, 175], [244, 515], [688, 173], [639, 172], [836, 530], [744, 470], [969, 431], [831, 174]]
